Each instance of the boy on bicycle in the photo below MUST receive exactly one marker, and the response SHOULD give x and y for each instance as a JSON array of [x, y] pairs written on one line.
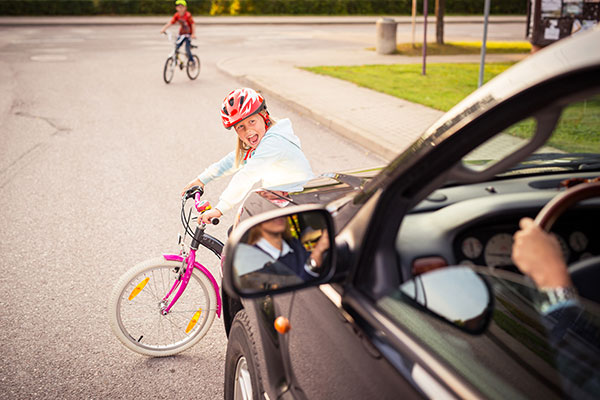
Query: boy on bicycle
[[187, 28]]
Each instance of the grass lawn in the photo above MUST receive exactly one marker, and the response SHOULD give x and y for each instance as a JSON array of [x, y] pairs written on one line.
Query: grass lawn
[[446, 84], [454, 48], [443, 86], [577, 130]]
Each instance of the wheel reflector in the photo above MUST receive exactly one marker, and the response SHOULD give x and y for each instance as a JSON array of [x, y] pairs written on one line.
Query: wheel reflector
[[193, 321], [138, 288]]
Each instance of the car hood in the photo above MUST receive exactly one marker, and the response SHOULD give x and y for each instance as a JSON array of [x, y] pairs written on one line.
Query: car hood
[[324, 189]]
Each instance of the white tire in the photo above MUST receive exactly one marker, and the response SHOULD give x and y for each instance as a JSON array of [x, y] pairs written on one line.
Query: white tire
[[135, 303]]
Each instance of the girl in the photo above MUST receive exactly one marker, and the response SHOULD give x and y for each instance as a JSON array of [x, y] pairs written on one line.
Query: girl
[[266, 150]]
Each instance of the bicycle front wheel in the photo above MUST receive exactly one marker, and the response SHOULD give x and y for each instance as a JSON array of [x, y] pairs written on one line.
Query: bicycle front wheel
[[136, 304], [193, 68], [169, 70]]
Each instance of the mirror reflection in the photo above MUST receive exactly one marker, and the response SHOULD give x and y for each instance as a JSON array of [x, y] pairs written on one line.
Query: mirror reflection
[[456, 294], [281, 252]]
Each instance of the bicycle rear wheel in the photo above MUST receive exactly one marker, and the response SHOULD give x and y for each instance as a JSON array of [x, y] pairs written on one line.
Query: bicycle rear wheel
[[135, 309], [193, 69], [169, 70]]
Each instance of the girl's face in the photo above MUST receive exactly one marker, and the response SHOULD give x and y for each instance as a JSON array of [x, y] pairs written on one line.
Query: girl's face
[[251, 130]]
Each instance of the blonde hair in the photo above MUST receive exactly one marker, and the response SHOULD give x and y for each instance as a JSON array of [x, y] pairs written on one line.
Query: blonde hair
[[242, 148]]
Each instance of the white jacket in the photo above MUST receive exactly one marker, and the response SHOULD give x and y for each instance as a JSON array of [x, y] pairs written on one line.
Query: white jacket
[[278, 160]]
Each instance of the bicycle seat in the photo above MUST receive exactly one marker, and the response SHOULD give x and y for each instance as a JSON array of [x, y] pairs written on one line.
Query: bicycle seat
[[193, 46]]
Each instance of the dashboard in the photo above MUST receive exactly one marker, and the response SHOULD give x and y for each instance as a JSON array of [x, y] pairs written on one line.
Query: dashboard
[[474, 224], [491, 244]]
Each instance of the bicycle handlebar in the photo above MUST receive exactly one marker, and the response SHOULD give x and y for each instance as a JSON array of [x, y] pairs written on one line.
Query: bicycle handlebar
[[191, 192], [201, 205]]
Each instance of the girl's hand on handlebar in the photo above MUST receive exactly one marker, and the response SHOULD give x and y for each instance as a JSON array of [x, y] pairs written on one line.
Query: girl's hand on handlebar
[[195, 182], [209, 215]]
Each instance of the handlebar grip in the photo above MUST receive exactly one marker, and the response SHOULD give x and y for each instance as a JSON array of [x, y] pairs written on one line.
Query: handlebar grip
[[215, 221], [191, 192]]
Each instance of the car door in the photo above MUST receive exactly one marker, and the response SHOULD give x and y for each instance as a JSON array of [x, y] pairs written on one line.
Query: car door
[[328, 354]]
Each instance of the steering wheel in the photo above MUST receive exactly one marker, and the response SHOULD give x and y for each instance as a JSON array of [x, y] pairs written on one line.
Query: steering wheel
[[585, 274]]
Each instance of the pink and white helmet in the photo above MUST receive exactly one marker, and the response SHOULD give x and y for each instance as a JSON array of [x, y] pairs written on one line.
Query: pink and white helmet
[[240, 104]]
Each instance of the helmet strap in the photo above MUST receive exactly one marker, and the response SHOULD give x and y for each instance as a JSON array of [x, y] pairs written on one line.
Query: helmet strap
[[266, 118], [248, 154]]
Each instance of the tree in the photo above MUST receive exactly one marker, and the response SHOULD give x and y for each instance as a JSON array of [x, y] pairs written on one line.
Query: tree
[[440, 6]]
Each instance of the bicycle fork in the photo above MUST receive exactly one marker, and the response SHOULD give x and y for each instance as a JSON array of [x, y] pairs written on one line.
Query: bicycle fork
[[182, 282]]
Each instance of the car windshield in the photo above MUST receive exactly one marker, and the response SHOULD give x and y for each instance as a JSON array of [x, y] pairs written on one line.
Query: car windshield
[[573, 146]]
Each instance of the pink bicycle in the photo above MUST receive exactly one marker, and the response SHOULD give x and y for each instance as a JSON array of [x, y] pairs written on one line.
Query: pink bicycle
[[164, 306]]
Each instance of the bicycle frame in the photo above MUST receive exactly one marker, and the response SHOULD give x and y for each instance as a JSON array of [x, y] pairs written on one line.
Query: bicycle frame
[[175, 53], [200, 238]]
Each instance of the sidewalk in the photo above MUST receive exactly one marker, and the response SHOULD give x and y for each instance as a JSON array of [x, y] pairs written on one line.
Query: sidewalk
[[243, 20], [381, 123]]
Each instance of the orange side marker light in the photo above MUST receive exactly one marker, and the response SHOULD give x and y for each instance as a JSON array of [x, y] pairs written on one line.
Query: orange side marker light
[[282, 325]]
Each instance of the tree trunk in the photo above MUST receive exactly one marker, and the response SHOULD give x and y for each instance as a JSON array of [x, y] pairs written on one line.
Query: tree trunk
[[440, 6]]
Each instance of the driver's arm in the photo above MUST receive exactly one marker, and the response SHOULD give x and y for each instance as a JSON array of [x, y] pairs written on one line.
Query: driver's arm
[[537, 254]]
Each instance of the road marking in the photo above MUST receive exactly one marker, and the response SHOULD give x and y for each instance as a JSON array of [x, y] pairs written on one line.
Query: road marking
[[49, 57]]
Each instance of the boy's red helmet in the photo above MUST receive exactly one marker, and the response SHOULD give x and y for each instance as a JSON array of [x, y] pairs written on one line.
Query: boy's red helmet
[[240, 104]]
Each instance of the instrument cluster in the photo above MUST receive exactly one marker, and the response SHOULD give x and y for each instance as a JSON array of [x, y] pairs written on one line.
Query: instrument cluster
[[492, 245]]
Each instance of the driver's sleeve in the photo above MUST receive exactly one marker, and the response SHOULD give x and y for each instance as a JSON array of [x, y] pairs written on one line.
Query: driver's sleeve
[[247, 176]]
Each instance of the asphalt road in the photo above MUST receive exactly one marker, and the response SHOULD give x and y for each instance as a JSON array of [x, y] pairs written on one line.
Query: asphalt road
[[94, 150]]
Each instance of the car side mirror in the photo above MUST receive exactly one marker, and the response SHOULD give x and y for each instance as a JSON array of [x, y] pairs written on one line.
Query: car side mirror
[[456, 294], [279, 251]]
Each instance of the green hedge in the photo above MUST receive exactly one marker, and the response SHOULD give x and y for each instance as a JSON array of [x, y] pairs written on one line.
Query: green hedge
[[250, 7]]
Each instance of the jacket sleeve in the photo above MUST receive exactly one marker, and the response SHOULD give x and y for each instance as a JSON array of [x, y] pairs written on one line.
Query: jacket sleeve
[[249, 174], [223, 167]]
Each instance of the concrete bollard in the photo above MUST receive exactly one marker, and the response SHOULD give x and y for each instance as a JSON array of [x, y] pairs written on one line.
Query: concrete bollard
[[386, 36]]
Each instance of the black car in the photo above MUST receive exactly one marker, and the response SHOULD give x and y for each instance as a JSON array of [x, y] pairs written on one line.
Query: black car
[[399, 282]]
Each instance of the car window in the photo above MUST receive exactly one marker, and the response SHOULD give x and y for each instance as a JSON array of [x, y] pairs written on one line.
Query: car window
[[578, 128], [501, 145], [522, 353], [575, 132]]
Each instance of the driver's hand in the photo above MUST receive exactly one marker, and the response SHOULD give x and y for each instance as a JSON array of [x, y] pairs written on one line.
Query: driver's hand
[[195, 182], [209, 215], [538, 255]]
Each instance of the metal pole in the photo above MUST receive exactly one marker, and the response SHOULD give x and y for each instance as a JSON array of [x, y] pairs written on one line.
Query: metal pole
[[424, 35], [486, 14], [414, 21]]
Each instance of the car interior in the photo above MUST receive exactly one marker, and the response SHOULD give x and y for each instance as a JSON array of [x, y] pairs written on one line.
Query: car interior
[[471, 220]]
